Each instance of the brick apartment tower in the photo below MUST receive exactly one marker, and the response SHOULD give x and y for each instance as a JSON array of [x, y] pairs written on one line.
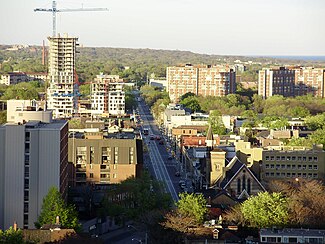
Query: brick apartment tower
[[205, 80]]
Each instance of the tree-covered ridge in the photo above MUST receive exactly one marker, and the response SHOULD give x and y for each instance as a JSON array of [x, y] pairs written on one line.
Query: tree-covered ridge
[[140, 63]]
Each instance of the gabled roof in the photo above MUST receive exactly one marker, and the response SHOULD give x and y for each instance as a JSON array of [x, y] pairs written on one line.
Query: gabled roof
[[234, 167]]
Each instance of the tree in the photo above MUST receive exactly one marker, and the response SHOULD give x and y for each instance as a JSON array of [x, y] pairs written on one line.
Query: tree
[[75, 124], [192, 103], [266, 210], [53, 206], [193, 206], [11, 236], [306, 201], [189, 215], [23, 90], [3, 117], [186, 95], [318, 137], [84, 90], [316, 122], [216, 123]]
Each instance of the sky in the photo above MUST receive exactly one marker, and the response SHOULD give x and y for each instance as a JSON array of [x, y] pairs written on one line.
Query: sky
[[221, 27]]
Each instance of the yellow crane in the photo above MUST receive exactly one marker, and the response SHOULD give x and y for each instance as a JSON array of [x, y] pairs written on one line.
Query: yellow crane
[[54, 10]]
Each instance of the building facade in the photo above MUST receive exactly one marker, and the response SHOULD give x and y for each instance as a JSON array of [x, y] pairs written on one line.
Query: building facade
[[62, 90], [200, 80], [33, 158], [309, 80], [107, 95], [104, 161], [293, 162], [291, 81], [277, 81]]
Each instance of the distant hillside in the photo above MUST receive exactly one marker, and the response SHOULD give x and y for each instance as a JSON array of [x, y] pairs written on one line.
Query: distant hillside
[[140, 63]]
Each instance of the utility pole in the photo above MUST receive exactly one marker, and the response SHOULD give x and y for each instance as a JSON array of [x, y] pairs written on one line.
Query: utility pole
[[54, 10]]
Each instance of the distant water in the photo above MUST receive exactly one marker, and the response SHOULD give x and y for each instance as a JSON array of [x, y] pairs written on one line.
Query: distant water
[[307, 58]]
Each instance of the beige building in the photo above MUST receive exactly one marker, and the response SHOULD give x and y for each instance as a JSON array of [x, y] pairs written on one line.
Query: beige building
[[293, 162], [276, 81], [99, 160], [205, 80], [61, 93], [310, 80], [33, 158], [20, 111], [291, 81]]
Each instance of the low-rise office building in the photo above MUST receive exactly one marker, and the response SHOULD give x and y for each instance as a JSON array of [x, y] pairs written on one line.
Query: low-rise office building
[[99, 160], [293, 162]]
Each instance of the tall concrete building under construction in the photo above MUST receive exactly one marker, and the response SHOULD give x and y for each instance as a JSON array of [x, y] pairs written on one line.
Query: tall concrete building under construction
[[62, 90]]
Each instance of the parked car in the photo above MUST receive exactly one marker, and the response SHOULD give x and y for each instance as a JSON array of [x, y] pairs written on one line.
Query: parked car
[[170, 157], [161, 142], [152, 137], [158, 138]]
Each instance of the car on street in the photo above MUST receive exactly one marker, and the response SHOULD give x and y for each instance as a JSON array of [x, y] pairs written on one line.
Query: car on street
[[152, 137], [161, 142], [170, 157]]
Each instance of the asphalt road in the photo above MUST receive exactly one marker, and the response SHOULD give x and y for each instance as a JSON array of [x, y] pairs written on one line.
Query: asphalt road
[[158, 163]]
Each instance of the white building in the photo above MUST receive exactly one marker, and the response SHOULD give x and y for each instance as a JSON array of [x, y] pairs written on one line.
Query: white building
[[61, 93], [107, 96], [33, 158], [20, 111]]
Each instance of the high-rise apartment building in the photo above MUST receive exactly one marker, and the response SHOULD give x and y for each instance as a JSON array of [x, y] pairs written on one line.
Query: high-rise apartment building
[[33, 158], [100, 160], [310, 80], [202, 80], [277, 81], [291, 81], [61, 93], [107, 95]]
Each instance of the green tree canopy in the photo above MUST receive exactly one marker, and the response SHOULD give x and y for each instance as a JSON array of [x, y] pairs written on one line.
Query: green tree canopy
[[215, 120], [23, 90], [266, 210], [53, 206], [192, 103], [193, 206]]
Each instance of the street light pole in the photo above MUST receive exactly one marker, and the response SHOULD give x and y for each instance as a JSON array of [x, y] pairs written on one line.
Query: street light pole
[[146, 235]]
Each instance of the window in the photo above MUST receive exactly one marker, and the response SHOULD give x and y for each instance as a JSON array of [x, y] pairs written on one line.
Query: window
[[315, 159], [304, 166], [238, 186], [244, 182], [102, 175], [293, 166], [315, 175], [272, 158], [315, 167], [91, 175], [310, 167], [310, 159], [293, 158], [114, 176], [288, 175], [283, 158], [267, 158], [283, 166], [272, 166], [288, 158], [293, 239], [299, 158], [267, 166]]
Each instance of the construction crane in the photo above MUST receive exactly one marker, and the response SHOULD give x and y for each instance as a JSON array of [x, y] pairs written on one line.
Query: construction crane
[[54, 10]]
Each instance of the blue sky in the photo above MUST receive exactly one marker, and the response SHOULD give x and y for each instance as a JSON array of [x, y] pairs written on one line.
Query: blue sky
[[233, 27]]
